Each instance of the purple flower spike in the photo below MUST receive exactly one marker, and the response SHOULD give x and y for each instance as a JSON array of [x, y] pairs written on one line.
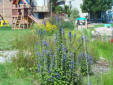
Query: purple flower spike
[[53, 61], [43, 52], [44, 22], [40, 32], [61, 29], [82, 37], [38, 54], [56, 38], [50, 52], [70, 36], [57, 18], [63, 33], [44, 32], [45, 43], [58, 75], [38, 68], [35, 49], [74, 35]]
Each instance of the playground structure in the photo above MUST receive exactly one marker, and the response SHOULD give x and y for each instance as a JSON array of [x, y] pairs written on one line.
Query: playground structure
[[3, 22], [23, 13]]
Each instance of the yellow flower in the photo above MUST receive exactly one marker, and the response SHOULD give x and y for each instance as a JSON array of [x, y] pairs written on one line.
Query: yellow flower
[[48, 27]]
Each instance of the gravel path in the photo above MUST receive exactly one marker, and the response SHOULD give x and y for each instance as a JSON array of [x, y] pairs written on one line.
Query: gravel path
[[7, 55], [101, 31], [101, 66]]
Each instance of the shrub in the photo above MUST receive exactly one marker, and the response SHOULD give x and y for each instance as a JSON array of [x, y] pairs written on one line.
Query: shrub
[[68, 25], [57, 63]]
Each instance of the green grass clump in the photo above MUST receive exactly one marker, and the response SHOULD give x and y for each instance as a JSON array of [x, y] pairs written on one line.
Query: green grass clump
[[100, 79], [108, 78], [7, 38], [8, 76], [101, 49]]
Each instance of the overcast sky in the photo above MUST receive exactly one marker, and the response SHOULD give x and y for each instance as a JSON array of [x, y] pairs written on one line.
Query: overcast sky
[[76, 4]]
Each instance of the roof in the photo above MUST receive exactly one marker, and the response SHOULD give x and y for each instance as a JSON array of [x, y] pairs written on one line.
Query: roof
[[21, 2], [81, 18]]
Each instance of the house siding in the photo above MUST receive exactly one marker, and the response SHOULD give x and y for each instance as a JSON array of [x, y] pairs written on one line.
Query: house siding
[[6, 10]]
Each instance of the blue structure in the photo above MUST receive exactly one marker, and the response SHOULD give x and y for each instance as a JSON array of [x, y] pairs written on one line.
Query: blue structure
[[107, 16]]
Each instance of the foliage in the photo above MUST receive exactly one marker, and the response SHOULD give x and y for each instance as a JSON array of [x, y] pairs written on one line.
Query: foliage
[[101, 48], [24, 62], [25, 42], [58, 9], [84, 63], [65, 24], [68, 25], [9, 76], [75, 13], [57, 60], [46, 26], [8, 37], [95, 7], [103, 78]]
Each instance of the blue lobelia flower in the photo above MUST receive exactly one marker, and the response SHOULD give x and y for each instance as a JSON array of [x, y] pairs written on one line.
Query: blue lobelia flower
[[70, 36]]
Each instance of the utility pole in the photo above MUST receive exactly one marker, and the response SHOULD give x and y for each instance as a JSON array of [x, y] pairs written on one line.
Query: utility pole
[[3, 9], [51, 7]]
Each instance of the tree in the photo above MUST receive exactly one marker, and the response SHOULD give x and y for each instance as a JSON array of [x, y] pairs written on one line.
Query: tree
[[75, 13], [95, 7], [56, 5]]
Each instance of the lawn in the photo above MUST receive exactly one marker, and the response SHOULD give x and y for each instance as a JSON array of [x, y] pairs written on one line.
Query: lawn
[[8, 37], [23, 69], [8, 76]]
